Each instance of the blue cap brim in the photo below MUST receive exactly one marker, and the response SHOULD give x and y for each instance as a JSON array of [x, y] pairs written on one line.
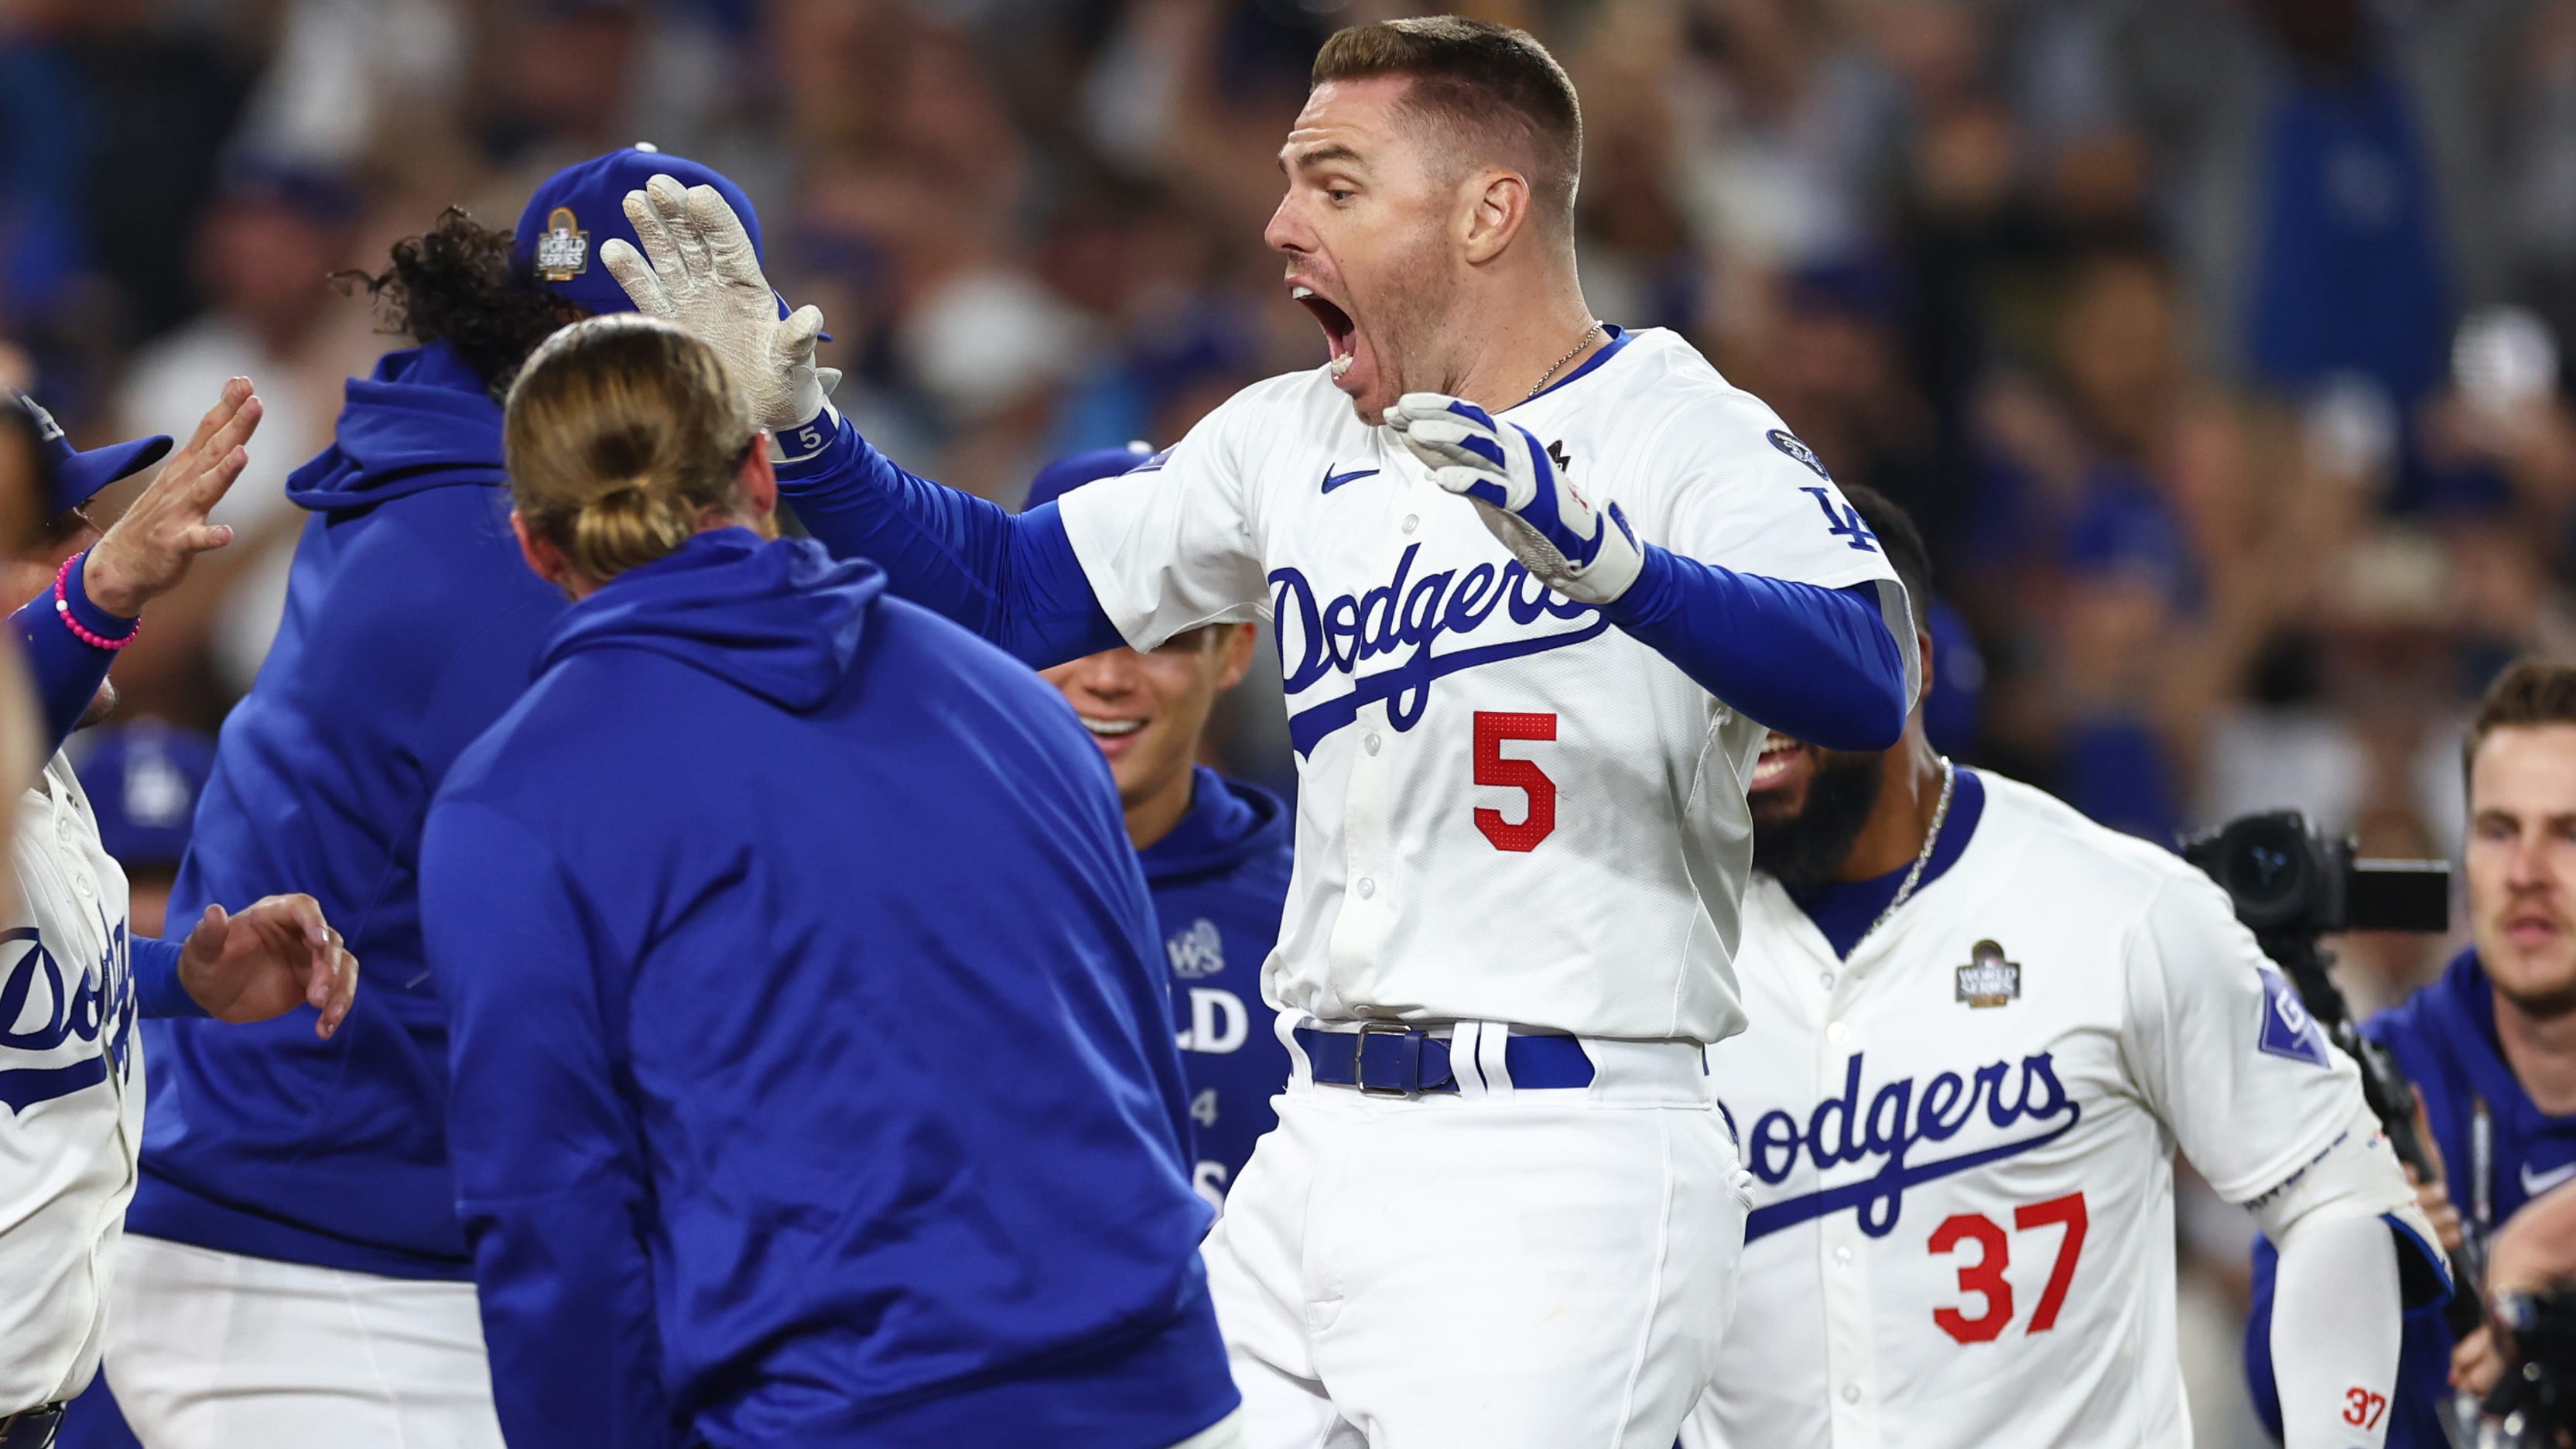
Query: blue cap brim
[[78, 478]]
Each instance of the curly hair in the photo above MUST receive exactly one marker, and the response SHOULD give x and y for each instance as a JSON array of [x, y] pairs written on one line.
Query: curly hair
[[462, 283]]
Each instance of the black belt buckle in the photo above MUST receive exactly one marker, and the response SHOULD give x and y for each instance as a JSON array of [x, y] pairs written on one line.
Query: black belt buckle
[[30, 1429], [1407, 1052]]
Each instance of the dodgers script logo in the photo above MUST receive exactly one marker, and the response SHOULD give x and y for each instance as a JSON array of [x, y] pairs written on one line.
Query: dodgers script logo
[[1407, 616], [1891, 1127], [40, 1010]]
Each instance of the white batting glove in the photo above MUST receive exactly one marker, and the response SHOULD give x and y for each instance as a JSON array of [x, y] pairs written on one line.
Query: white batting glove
[[698, 269], [1583, 550]]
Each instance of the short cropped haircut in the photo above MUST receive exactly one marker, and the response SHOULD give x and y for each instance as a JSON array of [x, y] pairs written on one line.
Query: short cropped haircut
[[2529, 692], [1900, 541], [1488, 84]]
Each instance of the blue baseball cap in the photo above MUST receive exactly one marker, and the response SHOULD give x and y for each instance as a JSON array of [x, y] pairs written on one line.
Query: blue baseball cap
[[581, 207], [77, 475], [143, 780], [1073, 470]]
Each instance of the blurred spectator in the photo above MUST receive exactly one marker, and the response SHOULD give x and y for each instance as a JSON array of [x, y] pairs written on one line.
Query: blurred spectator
[[143, 779]]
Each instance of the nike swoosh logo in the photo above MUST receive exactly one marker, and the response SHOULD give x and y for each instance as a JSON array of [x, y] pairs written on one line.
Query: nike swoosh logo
[[1333, 480], [2535, 1186]]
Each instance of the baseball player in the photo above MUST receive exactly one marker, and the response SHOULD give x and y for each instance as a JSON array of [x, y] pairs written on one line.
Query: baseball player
[[1499, 1208], [2491, 1046], [76, 975], [1216, 852], [811, 1086], [296, 1278], [1981, 1026]]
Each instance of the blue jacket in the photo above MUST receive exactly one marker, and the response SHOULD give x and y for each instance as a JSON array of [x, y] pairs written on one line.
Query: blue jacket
[[411, 623], [2444, 1039], [1220, 880], [811, 1082]]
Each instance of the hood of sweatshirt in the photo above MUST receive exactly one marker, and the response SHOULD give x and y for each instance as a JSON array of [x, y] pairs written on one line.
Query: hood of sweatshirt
[[1228, 820], [424, 420], [778, 618]]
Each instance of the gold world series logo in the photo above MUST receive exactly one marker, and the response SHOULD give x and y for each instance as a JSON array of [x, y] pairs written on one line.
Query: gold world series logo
[[1988, 979]]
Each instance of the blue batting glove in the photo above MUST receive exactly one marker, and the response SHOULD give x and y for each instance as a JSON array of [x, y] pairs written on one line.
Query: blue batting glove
[[1583, 550]]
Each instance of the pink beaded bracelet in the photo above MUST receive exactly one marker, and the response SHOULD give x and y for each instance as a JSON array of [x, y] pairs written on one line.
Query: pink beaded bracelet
[[63, 610]]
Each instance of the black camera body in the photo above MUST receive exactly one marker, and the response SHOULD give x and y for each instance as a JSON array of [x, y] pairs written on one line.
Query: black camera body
[[2288, 879]]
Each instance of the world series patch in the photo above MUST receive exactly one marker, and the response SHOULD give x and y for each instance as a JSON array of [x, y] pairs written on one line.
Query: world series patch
[[1795, 447], [563, 253], [1988, 979]]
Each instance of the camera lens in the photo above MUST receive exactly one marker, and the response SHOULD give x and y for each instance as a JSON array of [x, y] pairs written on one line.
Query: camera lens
[[2264, 862]]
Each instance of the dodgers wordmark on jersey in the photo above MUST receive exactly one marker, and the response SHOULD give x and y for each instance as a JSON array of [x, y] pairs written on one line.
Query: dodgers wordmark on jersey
[[1962, 1139], [1508, 810], [71, 1095]]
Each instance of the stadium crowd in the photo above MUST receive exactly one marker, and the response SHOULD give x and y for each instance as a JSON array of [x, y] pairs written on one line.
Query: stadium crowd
[[2212, 341]]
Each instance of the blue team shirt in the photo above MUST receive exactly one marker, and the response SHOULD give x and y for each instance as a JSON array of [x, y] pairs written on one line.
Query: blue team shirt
[[1219, 882], [2444, 1039]]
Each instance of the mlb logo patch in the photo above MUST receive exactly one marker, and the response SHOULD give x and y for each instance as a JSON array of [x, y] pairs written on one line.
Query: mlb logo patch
[[563, 253], [1788, 442], [2288, 1030], [1988, 979]]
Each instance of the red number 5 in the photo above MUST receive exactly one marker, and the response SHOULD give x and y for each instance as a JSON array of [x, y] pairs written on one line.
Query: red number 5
[[1985, 1277], [1494, 768]]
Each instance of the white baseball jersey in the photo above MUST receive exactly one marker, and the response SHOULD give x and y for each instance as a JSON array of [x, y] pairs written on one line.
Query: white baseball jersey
[[71, 1095], [1507, 809], [1962, 1141]]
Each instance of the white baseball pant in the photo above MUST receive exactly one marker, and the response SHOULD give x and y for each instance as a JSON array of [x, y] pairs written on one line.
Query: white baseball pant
[[1505, 1269], [211, 1350]]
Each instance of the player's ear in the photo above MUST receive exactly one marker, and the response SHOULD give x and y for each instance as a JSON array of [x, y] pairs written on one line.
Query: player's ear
[[759, 478], [1238, 645], [545, 560], [1496, 207], [1923, 651]]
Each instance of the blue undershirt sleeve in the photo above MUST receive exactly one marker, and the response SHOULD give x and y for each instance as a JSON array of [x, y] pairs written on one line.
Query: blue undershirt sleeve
[[157, 990], [65, 670], [1013, 579], [1814, 663]]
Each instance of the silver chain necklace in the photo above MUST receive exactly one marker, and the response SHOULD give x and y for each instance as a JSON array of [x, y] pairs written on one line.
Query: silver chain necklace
[[1922, 858], [1580, 343]]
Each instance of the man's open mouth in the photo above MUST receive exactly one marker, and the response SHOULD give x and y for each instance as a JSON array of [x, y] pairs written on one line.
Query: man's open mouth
[[1340, 332]]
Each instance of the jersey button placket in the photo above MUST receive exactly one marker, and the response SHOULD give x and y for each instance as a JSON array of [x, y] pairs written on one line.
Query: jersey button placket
[[1842, 1265]]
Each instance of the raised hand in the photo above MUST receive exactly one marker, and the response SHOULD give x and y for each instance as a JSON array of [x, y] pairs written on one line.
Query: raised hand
[[148, 552], [698, 269], [273, 955], [1583, 551]]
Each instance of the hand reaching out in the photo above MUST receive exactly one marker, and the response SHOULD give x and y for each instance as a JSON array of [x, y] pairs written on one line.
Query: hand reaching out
[[275, 954], [148, 552]]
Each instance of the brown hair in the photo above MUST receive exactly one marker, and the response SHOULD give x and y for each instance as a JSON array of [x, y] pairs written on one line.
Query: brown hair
[[1488, 81], [461, 283], [621, 432], [2529, 692]]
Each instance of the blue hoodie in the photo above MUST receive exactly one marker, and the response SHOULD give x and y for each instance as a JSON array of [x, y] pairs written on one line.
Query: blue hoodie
[[1220, 879], [811, 1080], [2444, 1039], [411, 624]]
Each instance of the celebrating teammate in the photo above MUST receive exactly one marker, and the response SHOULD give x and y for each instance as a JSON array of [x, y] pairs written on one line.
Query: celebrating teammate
[[1499, 1208], [755, 1143], [1216, 854], [296, 1277], [1981, 1024], [2491, 1046], [76, 977]]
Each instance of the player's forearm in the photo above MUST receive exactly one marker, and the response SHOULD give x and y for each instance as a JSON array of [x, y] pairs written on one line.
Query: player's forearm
[[2337, 1324], [1816, 664], [67, 669], [1012, 579], [568, 1318], [158, 991]]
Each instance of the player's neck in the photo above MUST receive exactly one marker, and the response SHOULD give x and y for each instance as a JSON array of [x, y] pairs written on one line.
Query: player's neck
[[1909, 792], [1160, 812], [2542, 1053], [1505, 350]]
